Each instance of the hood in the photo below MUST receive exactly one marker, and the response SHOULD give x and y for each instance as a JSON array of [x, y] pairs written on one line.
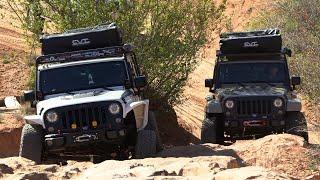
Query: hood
[[66, 100], [252, 90]]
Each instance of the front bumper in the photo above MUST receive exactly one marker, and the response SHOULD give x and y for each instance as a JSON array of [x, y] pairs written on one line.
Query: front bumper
[[242, 128], [64, 141]]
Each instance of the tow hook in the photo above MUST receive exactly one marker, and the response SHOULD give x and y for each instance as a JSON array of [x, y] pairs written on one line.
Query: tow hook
[[85, 138], [256, 123]]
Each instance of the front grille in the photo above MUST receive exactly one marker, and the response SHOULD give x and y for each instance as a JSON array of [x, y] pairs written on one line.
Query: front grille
[[83, 116], [258, 107]]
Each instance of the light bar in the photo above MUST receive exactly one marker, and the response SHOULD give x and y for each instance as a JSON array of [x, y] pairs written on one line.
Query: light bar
[[81, 55]]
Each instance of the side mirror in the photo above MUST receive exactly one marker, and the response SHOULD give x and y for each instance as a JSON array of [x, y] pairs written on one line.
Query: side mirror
[[287, 51], [29, 95], [140, 81], [295, 80], [209, 83]]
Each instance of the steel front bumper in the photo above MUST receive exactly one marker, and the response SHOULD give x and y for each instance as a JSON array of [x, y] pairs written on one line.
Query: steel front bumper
[[69, 140], [247, 128]]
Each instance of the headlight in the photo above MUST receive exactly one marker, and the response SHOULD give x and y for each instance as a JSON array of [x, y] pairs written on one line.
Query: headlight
[[114, 108], [229, 104], [278, 103], [52, 116]]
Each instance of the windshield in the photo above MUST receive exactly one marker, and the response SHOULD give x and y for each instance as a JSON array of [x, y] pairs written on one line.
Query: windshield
[[252, 73], [82, 77]]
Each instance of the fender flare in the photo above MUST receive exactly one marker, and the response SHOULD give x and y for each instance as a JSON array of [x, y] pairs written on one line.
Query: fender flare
[[294, 105], [214, 107], [34, 119], [141, 110]]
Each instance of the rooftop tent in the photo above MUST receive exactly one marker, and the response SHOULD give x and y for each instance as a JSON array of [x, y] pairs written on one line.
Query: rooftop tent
[[265, 41], [106, 35]]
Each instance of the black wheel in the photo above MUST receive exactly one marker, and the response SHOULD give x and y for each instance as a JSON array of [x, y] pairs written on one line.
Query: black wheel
[[31, 145], [153, 126], [146, 144], [212, 130], [296, 124]]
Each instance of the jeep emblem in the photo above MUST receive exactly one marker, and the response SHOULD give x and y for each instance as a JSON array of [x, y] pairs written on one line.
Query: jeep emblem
[[251, 44], [81, 42]]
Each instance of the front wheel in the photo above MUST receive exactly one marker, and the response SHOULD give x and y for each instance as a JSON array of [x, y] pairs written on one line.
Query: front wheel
[[148, 140], [146, 144], [296, 124], [211, 131], [31, 145]]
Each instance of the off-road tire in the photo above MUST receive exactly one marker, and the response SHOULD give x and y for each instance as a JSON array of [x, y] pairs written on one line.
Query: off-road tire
[[153, 126], [296, 124], [2, 104], [146, 144], [211, 131], [31, 145]]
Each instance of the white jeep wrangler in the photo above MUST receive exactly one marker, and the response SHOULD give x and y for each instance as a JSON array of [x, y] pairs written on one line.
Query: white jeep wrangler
[[88, 99]]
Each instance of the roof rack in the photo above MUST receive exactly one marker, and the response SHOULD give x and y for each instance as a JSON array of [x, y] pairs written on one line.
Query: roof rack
[[264, 41], [284, 51], [253, 56], [116, 51], [265, 32]]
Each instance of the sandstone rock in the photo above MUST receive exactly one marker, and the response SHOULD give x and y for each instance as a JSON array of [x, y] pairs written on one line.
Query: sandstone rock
[[264, 158], [248, 173], [34, 176], [313, 177]]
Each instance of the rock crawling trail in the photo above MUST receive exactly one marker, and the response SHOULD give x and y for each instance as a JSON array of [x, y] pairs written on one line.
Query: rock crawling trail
[[272, 157]]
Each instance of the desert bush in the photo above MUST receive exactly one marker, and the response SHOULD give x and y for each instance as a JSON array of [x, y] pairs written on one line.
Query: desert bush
[[167, 34], [300, 25]]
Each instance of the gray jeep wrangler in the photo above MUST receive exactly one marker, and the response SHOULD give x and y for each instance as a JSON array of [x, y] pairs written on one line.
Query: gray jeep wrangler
[[253, 94], [89, 100]]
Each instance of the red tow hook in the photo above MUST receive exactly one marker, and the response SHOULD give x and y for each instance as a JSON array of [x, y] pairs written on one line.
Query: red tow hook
[[255, 123]]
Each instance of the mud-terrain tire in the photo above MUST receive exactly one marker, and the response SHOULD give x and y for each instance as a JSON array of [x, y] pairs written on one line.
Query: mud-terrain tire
[[31, 145], [211, 132], [153, 126], [146, 144], [296, 124]]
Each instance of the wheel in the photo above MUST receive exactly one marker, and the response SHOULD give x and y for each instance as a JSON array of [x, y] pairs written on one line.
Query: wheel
[[212, 131], [146, 144], [31, 145], [296, 124], [152, 125]]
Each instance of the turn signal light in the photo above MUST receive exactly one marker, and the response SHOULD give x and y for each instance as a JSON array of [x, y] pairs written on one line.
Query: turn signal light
[[94, 124], [74, 126]]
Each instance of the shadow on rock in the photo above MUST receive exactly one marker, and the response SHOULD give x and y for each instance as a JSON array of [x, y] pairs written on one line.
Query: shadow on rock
[[201, 150]]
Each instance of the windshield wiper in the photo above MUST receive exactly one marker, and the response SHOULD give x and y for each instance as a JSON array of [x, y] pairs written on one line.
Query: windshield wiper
[[72, 93], [96, 92], [107, 88], [241, 84], [267, 83]]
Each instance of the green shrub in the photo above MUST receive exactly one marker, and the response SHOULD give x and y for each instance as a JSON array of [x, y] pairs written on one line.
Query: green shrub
[[32, 78], [167, 34], [300, 25]]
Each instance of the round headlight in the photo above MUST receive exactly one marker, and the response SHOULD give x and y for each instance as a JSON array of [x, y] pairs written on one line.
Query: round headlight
[[114, 108], [52, 116], [278, 103], [229, 104]]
